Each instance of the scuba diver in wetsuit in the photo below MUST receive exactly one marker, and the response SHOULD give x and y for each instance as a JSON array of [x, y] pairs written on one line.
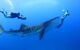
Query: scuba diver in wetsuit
[[13, 15]]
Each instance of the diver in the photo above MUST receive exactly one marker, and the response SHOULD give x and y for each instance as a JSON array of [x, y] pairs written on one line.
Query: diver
[[13, 15]]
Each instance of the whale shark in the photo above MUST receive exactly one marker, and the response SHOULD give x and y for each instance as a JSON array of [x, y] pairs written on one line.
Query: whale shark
[[25, 29]]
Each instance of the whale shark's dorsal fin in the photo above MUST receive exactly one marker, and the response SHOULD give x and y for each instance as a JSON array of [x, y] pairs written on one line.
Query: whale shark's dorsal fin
[[66, 13], [23, 27]]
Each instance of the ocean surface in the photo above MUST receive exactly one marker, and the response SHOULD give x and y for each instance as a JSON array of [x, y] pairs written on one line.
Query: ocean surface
[[67, 37]]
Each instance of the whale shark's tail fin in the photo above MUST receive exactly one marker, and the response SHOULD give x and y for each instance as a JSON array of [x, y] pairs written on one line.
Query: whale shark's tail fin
[[47, 23], [44, 26], [66, 13]]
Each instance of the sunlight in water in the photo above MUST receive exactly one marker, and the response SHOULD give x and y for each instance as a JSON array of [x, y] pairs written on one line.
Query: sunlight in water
[[11, 5], [35, 2]]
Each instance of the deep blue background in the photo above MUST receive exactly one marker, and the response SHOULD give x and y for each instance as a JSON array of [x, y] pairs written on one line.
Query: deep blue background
[[38, 11]]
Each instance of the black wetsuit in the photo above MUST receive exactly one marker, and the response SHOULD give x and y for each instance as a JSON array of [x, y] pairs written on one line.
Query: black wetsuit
[[13, 15]]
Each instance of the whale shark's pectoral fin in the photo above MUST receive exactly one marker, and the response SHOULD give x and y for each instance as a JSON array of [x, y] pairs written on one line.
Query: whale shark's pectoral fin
[[42, 31]]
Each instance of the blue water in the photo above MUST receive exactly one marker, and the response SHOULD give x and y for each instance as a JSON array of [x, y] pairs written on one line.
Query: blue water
[[37, 11]]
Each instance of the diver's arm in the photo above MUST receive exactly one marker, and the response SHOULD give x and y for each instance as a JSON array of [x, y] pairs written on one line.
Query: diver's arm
[[21, 17]]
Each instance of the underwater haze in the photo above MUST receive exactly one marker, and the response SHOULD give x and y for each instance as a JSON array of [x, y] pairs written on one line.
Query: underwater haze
[[67, 37]]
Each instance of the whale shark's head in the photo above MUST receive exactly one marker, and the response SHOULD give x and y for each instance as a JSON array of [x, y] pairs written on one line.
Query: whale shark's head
[[1, 29]]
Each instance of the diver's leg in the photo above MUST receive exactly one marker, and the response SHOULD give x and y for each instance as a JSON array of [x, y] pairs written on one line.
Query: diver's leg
[[4, 13]]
